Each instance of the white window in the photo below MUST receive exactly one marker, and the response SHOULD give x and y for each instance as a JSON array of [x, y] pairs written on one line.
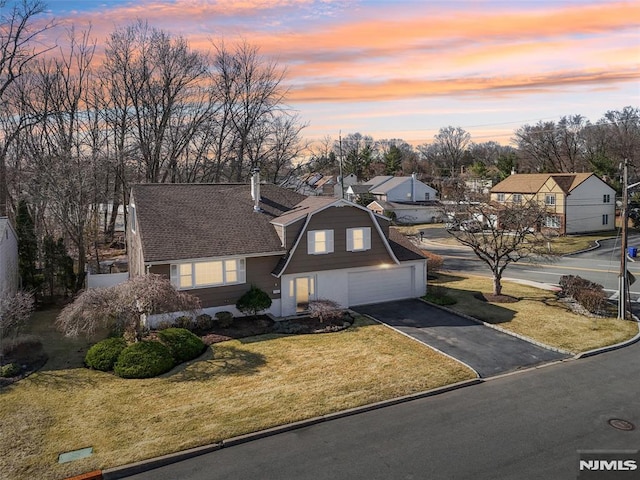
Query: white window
[[358, 239], [517, 198], [605, 219], [208, 274], [606, 198], [319, 242], [552, 221], [501, 197], [550, 199]]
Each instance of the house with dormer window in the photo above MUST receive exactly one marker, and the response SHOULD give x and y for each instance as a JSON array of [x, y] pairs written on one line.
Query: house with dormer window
[[216, 240]]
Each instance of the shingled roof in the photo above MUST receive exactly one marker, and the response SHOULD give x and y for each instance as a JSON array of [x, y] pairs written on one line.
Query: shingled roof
[[186, 221], [402, 247], [533, 182]]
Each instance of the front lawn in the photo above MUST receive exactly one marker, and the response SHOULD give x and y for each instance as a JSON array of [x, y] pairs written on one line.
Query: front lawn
[[537, 315], [236, 387]]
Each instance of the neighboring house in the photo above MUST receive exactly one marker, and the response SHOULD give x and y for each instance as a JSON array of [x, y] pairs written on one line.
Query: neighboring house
[[576, 202], [478, 185], [409, 212], [341, 187], [9, 270], [401, 189], [216, 240], [405, 199], [319, 184]]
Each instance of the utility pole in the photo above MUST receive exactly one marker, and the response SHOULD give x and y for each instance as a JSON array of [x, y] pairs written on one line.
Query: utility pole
[[341, 174], [623, 290]]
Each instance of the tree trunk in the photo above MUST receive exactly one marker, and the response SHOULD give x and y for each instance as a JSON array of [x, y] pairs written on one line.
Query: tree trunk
[[497, 285]]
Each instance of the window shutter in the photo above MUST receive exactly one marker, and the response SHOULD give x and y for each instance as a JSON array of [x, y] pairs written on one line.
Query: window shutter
[[329, 241], [367, 238], [174, 275], [349, 239], [311, 242]]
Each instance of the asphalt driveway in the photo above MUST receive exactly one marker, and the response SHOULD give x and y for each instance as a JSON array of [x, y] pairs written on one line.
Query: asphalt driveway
[[488, 351]]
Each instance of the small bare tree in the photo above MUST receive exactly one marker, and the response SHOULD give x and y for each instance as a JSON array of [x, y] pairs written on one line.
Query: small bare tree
[[123, 306], [325, 310], [501, 234], [15, 311]]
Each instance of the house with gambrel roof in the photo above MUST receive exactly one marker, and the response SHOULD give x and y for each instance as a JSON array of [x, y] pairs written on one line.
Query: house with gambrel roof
[[576, 202], [216, 240]]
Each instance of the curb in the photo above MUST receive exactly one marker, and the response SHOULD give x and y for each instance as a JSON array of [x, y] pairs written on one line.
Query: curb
[[610, 348], [595, 247], [146, 465]]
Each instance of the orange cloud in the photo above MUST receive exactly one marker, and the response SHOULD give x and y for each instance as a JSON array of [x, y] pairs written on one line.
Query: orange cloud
[[400, 88]]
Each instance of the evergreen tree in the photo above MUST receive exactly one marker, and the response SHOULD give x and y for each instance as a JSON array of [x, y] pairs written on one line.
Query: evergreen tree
[[27, 246]]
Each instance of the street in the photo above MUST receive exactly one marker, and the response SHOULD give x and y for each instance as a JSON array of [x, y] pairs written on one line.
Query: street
[[601, 265]]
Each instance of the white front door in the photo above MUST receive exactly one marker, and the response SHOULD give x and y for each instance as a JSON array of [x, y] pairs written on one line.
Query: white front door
[[304, 290]]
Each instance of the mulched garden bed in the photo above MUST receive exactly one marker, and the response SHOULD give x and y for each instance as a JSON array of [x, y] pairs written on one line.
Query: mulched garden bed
[[30, 356], [488, 297], [248, 327]]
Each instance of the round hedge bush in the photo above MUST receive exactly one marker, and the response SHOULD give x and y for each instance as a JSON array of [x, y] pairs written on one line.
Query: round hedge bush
[[103, 355], [183, 344], [10, 370], [144, 359]]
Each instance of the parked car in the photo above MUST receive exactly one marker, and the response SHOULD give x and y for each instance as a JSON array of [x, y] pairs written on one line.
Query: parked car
[[471, 226]]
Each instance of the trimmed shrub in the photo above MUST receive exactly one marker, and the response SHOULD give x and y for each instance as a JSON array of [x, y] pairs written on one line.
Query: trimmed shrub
[[163, 325], [325, 310], [438, 296], [103, 355], [184, 322], [204, 322], [183, 344], [224, 319], [571, 285], [253, 301], [10, 370], [144, 359], [595, 301]]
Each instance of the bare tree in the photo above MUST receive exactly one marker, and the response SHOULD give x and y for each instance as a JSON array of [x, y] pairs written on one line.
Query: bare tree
[[18, 49], [254, 84], [15, 311], [551, 147], [124, 306], [61, 146], [500, 234], [451, 144], [158, 84]]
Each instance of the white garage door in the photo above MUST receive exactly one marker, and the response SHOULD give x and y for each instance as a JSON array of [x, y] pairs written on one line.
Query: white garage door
[[380, 285]]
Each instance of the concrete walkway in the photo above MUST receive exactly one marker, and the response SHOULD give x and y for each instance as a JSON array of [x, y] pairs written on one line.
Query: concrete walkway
[[488, 351]]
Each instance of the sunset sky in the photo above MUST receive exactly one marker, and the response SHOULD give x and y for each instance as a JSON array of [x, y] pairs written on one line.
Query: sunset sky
[[403, 69]]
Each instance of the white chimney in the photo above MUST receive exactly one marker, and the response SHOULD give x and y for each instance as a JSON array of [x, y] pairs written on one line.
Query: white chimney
[[255, 189]]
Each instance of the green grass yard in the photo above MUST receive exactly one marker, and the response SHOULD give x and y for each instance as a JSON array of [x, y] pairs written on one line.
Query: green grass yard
[[537, 315], [236, 387]]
